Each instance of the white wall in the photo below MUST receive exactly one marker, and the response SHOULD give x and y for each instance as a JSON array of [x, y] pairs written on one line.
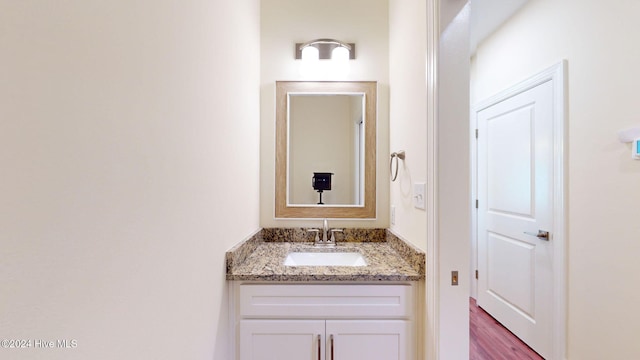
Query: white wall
[[408, 113], [454, 197], [286, 22], [599, 41], [129, 136], [447, 321]]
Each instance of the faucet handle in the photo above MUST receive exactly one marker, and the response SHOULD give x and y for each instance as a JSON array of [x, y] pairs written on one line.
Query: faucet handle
[[333, 236], [317, 231]]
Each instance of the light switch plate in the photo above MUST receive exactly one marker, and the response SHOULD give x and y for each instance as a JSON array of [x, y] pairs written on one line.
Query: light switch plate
[[419, 190]]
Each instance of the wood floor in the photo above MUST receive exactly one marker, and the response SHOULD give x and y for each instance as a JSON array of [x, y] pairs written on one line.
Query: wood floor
[[489, 340]]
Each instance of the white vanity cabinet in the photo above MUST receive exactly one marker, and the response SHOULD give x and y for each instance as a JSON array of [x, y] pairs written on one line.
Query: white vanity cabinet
[[330, 339], [325, 322], [281, 339]]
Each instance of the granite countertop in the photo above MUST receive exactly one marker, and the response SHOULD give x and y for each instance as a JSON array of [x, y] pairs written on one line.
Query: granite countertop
[[261, 258]]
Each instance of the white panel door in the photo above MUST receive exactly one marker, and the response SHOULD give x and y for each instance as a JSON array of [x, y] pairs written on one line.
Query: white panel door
[[369, 339], [515, 193], [282, 339]]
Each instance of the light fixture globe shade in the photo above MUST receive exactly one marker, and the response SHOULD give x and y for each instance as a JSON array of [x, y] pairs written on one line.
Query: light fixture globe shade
[[340, 61], [309, 64], [340, 53], [310, 53]]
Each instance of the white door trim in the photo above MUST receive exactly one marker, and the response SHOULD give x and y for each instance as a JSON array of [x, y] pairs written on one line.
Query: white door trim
[[556, 74], [432, 288]]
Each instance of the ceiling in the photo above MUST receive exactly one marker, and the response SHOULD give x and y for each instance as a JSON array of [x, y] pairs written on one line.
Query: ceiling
[[488, 15]]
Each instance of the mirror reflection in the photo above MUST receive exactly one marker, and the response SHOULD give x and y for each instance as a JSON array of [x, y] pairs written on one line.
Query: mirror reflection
[[325, 149]]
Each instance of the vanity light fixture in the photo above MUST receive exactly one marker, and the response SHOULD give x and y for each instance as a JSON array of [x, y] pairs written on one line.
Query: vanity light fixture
[[325, 49]]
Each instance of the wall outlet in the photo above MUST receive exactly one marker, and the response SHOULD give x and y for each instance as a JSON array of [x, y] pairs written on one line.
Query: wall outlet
[[454, 278], [419, 200]]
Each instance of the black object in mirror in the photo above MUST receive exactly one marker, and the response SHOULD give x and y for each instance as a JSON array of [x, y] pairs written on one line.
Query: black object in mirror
[[321, 181]]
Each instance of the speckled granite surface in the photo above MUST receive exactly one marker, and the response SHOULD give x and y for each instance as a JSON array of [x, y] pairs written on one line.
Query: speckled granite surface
[[261, 257], [414, 256], [302, 235]]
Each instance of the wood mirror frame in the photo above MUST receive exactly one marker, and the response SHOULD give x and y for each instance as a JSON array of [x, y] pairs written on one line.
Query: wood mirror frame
[[364, 211]]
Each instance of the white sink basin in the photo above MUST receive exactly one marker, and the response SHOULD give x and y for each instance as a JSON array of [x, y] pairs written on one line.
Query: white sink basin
[[324, 259]]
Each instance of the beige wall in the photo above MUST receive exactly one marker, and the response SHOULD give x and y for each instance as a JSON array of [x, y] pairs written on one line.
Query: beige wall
[[408, 113], [286, 22], [129, 136], [599, 41]]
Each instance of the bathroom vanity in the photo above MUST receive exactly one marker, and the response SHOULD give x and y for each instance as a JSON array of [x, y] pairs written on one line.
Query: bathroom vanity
[[291, 312]]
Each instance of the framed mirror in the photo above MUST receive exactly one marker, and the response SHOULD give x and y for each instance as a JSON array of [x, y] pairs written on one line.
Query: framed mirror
[[325, 149]]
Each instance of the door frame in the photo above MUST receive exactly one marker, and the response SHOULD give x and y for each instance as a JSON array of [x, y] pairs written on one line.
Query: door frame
[[557, 75]]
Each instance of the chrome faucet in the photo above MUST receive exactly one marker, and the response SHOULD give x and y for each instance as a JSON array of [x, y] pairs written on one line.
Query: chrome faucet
[[325, 230], [328, 235]]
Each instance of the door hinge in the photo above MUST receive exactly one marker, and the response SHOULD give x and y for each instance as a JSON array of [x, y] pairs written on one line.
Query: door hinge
[[477, 203], [476, 133], [476, 274]]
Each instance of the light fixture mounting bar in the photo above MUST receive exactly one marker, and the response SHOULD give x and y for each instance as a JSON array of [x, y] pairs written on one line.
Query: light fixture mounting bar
[[325, 47]]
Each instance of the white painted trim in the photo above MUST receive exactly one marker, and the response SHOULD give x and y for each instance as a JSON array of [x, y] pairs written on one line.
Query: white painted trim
[[233, 320], [432, 296], [560, 211], [558, 75], [473, 242]]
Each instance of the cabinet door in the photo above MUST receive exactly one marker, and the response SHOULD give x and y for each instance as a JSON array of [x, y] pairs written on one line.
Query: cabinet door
[[369, 339], [281, 339]]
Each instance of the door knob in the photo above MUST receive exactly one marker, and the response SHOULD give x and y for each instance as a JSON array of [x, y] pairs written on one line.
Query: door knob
[[542, 235]]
